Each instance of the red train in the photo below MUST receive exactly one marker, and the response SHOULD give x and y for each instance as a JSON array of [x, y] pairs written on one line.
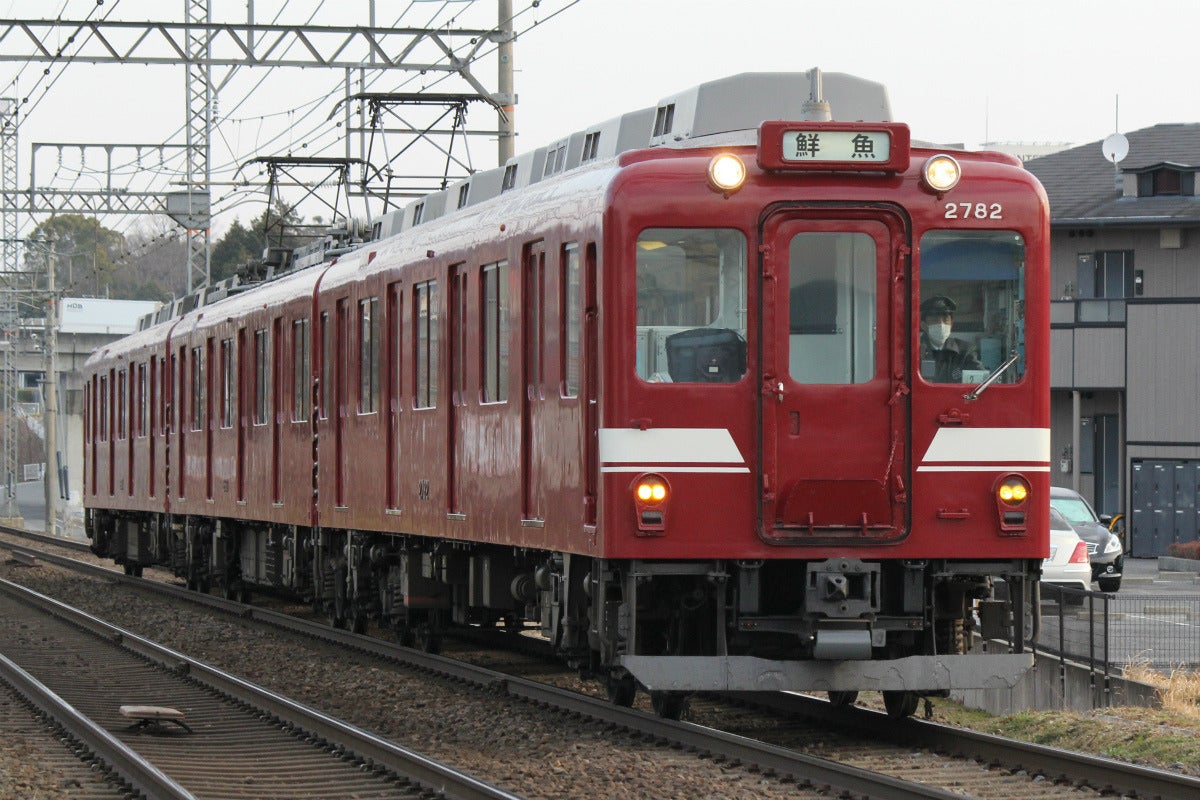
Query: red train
[[712, 402]]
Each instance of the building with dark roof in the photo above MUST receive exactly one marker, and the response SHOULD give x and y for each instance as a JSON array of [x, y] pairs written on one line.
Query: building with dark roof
[[1125, 363]]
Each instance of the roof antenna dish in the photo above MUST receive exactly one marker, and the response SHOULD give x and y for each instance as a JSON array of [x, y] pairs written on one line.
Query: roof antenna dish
[[1115, 147], [816, 107]]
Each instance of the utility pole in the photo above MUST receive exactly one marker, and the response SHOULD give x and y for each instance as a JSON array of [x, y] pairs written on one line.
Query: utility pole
[[504, 84], [50, 397]]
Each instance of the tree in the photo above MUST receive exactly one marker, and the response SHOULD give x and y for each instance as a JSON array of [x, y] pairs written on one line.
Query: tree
[[243, 244], [90, 260]]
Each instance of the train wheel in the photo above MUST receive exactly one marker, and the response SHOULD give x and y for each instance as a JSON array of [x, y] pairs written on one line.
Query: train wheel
[[670, 705], [358, 621], [428, 638], [843, 699], [900, 704], [404, 635], [512, 623], [622, 689]]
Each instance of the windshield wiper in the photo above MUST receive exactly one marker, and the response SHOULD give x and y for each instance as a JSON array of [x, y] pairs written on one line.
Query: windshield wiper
[[990, 379]]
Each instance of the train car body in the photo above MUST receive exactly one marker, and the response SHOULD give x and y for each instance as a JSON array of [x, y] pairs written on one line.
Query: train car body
[[688, 424]]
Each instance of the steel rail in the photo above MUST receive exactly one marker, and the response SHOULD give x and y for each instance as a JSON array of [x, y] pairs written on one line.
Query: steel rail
[[1102, 774], [124, 763], [802, 767], [447, 782]]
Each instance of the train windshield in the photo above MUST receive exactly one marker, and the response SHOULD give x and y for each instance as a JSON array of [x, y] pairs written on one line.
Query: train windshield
[[972, 312], [691, 305]]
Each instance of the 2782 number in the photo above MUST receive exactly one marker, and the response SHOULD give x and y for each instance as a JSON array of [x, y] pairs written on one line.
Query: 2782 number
[[974, 211]]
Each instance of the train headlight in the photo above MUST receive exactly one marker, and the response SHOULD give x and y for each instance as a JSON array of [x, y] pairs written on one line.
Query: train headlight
[[941, 173], [726, 173], [651, 497], [1012, 503]]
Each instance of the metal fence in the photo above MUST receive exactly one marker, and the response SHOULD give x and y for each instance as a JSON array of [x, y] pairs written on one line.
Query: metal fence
[[1109, 632]]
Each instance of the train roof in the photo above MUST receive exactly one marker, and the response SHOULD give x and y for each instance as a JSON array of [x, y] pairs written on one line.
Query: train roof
[[727, 110]]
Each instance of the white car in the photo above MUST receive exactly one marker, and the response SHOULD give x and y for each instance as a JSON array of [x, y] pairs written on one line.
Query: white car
[[1068, 564]]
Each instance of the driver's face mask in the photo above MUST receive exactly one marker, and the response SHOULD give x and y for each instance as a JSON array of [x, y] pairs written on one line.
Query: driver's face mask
[[938, 333]]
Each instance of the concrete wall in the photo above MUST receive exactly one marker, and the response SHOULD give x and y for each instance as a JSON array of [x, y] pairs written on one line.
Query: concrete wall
[[1052, 685]]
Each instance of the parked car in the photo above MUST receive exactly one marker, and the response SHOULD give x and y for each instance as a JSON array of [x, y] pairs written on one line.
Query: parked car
[[1068, 564], [1104, 547]]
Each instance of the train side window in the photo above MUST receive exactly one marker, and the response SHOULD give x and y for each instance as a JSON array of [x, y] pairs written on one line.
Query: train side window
[[570, 315], [197, 389], [972, 306], [227, 384], [326, 364], [102, 428], [831, 307], [262, 372], [494, 338], [691, 305], [121, 405], [368, 355], [141, 401], [425, 340], [300, 370]]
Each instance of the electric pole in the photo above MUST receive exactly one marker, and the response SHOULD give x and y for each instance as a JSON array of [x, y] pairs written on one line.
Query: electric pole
[[50, 397]]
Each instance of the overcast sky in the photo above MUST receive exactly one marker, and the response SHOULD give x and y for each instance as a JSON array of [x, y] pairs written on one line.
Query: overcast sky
[[966, 71]]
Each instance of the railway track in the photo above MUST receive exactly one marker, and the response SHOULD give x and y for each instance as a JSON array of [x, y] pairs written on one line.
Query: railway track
[[1017, 769], [235, 739]]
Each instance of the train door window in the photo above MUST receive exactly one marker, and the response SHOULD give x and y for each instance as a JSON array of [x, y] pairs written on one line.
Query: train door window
[[300, 370], [831, 307], [121, 405], [458, 328], [395, 342], [227, 384], [570, 315], [368, 355], [326, 364], [533, 306], [691, 305], [142, 404], [262, 372], [494, 338], [972, 306], [103, 410], [197, 389], [425, 341]]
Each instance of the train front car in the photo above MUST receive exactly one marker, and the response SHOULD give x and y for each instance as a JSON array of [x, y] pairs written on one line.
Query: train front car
[[826, 436]]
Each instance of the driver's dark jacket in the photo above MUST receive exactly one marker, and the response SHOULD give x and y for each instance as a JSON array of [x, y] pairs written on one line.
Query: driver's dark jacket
[[948, 362]]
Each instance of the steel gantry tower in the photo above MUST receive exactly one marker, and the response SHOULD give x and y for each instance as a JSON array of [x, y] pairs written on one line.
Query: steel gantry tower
[[8, 313]]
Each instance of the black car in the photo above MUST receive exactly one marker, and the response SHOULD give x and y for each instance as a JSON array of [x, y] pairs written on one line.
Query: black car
[[1104, 547]]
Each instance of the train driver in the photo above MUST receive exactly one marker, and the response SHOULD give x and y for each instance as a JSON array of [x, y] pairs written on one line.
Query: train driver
[[943, 357]]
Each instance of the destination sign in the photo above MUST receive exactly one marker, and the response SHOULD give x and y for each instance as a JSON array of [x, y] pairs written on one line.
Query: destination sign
[[826, 145], [788, 145]]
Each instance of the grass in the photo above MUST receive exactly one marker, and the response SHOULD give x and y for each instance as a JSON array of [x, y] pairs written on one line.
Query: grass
[[1167, 737]]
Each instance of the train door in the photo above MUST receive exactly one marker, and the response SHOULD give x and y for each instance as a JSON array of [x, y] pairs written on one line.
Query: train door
[[210, 419], [395, 389], [457, 305], [277, 406], [243, 409], [341, 350], [532, 405], [834, 377]]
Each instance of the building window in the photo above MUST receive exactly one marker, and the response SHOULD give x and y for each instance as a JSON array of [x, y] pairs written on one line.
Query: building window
[[262, 374], [197, 389], [227, 384], [494, 338], [300, 370], [571, 315], [425, 342], [368, 355]]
